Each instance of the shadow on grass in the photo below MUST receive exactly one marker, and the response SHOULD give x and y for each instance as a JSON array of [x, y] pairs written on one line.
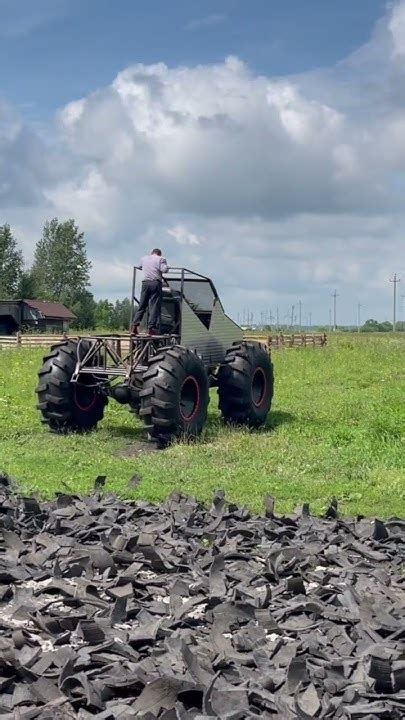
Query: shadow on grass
[[277, 418], [125, 431], [213, 426]]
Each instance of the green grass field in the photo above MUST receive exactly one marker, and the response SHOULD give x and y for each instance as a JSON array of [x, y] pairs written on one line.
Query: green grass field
[[337, 428]]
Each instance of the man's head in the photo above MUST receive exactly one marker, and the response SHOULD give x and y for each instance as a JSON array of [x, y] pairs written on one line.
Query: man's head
[[156, 251]]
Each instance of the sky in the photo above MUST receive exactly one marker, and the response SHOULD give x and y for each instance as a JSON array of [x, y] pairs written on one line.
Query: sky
[[260, 143]]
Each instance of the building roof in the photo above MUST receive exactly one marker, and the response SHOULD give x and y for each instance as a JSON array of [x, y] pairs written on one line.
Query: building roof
[[51, 309]]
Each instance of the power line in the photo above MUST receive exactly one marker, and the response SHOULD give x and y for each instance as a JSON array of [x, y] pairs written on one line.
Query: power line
[[334, 295], [395, 280], [292, 315], [359, 306]]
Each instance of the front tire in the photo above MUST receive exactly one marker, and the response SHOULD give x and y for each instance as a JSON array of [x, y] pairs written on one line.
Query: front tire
[[67, 406], [246, 385], [175, 395]]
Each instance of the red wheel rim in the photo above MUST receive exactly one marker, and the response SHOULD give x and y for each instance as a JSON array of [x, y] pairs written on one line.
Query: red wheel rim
[[190, 398], [85, 398], [259, 387]]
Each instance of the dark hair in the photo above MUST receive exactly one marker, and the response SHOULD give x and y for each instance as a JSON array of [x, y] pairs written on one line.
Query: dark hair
[[156, 251]]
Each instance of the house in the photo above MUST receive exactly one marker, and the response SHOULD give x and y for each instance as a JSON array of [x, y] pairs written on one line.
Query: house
[[22, 315]]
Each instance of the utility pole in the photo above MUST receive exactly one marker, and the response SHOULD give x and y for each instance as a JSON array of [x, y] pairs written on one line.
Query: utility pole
[[292, 315], [334, 295], [330, 319], [300, 315], [358, 316], [395, 280]]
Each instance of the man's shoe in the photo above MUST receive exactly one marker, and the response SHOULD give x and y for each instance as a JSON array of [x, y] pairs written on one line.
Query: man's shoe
[[135, 330], [152, 332]]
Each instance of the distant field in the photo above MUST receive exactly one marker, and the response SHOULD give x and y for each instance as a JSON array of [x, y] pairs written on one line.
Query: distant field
[[337, 428]]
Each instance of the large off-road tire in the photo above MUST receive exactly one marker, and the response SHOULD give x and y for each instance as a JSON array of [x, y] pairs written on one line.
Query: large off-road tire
[[246, 385], [175, 395], [66, 406]]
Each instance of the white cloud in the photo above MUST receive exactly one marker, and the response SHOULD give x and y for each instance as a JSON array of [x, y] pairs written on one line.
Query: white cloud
[[396, 26], [26, 16], [206, 22], [183, 236], [287, 187]]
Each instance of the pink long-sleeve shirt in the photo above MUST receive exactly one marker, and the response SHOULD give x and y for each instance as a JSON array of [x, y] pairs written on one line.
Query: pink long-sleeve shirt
[[153, 266]]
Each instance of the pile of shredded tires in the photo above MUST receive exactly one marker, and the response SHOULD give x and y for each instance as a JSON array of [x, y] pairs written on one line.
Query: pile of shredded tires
[[112, 609]]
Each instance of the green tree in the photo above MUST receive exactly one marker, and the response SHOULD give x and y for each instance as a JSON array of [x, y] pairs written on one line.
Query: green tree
[[84, 308], [370, 326], [11, 263], [385, 326], [61, 268], [123, 313], [26, 286], [105, 315]]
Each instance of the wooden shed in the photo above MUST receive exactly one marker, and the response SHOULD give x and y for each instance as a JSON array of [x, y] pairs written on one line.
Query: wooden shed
[[40, 315]]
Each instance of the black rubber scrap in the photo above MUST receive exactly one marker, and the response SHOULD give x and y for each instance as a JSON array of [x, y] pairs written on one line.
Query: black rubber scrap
[[130, 610]]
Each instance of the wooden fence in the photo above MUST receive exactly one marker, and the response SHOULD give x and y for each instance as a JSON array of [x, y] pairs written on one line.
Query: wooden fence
[[21, 340], [279, 341]]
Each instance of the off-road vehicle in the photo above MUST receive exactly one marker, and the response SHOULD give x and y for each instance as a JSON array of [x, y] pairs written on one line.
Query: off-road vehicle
[[166, 377]]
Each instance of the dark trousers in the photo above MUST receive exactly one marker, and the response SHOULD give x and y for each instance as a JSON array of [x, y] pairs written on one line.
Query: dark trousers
[[151, 298]]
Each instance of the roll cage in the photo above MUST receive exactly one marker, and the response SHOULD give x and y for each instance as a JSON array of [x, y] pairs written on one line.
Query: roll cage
[[103, 358], [197, 290]]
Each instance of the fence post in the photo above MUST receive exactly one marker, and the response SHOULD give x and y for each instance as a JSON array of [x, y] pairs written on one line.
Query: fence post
[[18, 339]]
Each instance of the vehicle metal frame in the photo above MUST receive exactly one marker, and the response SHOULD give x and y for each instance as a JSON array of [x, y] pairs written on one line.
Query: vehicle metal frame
[[103, 357]]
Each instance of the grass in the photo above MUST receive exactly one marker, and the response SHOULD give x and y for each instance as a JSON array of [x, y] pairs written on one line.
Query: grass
[[337, 428]]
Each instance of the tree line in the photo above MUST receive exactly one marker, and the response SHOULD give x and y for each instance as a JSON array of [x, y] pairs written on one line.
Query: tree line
[[60, 272]]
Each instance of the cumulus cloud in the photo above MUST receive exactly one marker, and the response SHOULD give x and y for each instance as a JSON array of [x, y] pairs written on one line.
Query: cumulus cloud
[[288, 187]]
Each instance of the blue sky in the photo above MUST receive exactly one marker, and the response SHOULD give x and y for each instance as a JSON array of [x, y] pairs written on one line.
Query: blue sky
[[260, 142], [53, 51]]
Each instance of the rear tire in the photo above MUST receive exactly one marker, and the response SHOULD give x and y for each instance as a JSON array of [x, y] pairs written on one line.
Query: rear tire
[[175, 395], [246, 385], [65, 406]]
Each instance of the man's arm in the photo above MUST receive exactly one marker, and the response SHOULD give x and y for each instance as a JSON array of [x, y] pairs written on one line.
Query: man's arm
[[163, 265]]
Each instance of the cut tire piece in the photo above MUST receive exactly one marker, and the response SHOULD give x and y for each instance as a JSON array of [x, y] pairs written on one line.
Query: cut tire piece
[[246, 385], [66, 406], [175, 395]]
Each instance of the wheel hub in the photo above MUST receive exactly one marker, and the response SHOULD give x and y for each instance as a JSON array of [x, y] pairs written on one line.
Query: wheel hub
[[189, 399], [85, 397], [259, 387]]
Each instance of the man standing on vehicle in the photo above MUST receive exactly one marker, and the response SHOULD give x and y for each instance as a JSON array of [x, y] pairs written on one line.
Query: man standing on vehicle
[[153, 267]]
